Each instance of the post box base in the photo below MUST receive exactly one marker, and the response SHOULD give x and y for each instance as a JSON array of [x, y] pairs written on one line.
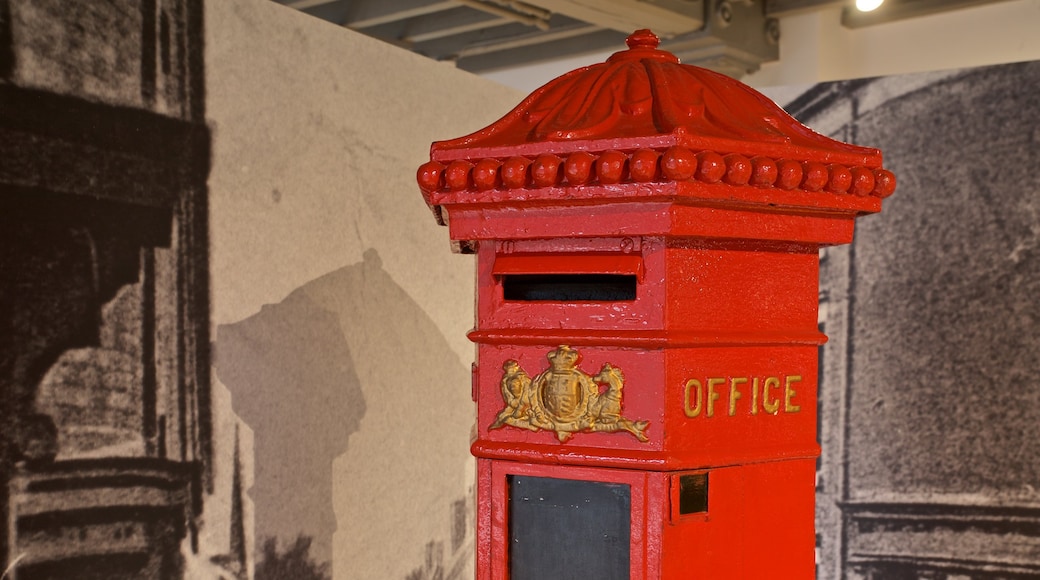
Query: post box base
[[548, 521]]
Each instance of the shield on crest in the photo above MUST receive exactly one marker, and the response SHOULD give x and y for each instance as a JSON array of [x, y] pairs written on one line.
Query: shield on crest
[[562, 395]]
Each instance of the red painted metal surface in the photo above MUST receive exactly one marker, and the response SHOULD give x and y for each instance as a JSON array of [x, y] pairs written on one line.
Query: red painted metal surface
[[716, 202]]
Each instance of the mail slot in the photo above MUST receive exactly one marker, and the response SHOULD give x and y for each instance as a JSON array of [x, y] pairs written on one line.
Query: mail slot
[[568, 278], [647, 241]]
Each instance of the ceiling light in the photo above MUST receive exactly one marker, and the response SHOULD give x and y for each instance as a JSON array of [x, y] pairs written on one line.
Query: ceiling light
[[868, 5]]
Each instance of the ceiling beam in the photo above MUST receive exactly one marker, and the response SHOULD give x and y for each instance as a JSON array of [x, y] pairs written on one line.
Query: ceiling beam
[[449, 23], [305, 4], [527, 40], [373, 13], [667, 18], [450, 47], [539, 20], [569, 43], [781, 8]]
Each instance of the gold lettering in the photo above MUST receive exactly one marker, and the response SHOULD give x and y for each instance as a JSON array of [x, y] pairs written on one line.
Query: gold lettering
[[693, 411], [771, 406], [712, 395], [700, 398], [734, 394], [789, 393]]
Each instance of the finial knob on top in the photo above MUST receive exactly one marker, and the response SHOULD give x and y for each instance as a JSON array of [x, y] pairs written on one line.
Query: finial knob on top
[[643, 38]]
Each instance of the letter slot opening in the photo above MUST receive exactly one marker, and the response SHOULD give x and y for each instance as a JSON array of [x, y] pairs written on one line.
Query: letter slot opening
[[569, 277], [569, 287]]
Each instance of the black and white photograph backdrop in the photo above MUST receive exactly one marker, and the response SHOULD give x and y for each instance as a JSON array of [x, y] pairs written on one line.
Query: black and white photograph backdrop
[[232, 337], [233, 340], [930, 389]]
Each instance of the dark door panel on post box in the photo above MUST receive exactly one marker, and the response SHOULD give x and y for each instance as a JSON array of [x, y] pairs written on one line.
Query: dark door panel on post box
[[568, 528], [562, 522]]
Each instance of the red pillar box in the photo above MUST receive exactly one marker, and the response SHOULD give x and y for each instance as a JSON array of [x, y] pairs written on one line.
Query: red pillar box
[[647, 239]]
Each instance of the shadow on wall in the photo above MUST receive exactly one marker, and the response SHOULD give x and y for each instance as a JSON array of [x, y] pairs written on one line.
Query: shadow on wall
[[295, 370], [293, 381]]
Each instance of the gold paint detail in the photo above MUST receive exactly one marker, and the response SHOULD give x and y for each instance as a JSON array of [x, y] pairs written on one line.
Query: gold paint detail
[[769, 395], [712, 395], [565, 399], [789, 393], [734, 393], [770, 406], [695, 410]]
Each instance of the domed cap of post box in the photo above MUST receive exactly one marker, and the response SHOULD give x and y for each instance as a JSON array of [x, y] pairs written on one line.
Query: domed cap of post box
[[643, 127]]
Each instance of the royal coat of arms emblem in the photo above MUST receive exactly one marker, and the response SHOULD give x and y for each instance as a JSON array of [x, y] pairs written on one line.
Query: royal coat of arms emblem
[[565, 399]]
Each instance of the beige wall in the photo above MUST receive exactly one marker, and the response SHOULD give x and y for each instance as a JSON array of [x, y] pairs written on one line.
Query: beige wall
[[339, 311]]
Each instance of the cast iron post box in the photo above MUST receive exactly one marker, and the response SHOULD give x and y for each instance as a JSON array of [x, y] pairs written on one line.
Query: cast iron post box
[[647, 239]]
